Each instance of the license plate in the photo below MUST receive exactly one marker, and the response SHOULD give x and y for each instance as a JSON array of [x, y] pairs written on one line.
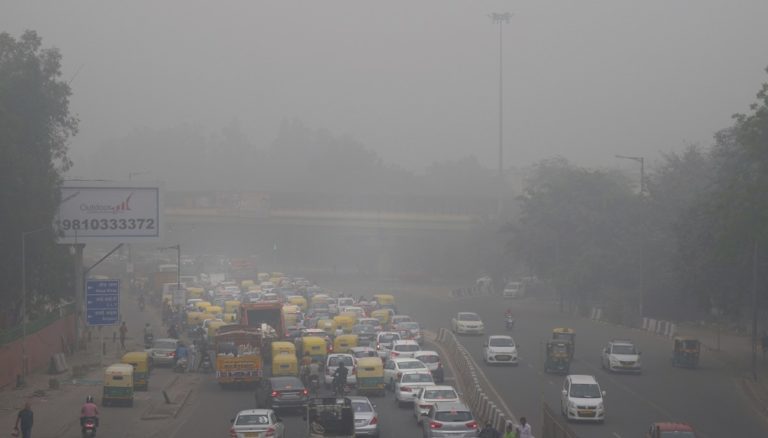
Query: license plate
[[503, 357], [587, 413], [251, 435]]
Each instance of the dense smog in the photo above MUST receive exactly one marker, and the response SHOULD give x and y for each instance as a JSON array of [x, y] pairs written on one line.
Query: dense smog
[[383, 219]]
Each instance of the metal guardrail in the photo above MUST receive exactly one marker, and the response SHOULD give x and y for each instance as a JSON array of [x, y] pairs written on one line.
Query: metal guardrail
[[553, 425], [14, 333]]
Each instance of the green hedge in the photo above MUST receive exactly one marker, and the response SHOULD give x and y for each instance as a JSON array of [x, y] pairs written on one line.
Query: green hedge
[[14, 333]]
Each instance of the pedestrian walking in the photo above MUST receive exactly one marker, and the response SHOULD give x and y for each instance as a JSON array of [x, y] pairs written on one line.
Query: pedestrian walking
[[123, 333], [24, 421], [524, 429], [489, 431], [509, 431]]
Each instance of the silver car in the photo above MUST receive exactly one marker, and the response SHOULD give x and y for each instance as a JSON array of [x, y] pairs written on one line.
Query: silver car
[[163, 351], [366, 417], [450, 419], [257, 423]]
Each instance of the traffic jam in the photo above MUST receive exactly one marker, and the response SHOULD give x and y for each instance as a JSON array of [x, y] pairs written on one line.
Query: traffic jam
[[326, 355]]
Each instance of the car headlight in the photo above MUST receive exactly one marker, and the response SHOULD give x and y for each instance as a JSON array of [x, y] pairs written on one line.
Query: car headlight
[[600, 406], [613, 361], [572, 405]]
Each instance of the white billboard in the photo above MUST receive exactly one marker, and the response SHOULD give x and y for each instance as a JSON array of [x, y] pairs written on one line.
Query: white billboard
[[109, 212]]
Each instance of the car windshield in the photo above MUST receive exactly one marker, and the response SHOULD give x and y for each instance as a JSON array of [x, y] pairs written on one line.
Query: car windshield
[[407, 347], [364, 329], [677, 434], [361, 406], [410, 365], [165, 345], [364, 353], [501, 342], [453, 416], [585, 390], [287, 383], [416, 378], [624, 349], [252, 420], [334, 361], [440, 394], [409, 325], [468, 317], [430, 358], [370, 322], [389, 337]]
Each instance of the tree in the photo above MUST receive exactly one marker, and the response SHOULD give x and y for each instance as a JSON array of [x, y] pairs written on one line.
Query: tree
[[35, 126], [579, 228]]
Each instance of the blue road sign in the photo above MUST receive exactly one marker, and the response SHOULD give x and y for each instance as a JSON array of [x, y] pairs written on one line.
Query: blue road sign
[[102, 302]]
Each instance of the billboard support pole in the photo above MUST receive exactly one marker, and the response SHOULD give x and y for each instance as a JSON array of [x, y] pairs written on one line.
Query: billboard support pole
[[79, 293]]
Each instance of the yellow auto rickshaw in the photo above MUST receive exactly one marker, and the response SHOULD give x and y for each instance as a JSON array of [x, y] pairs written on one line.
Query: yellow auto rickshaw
[[384, 300], [279, 347], [195, 292], [315, 346], [686, 352], [566, 334], [214, 310], [230, 306], [343, 343], [291, 315], [203, 306], [139, 360], [344, 322], [328, 325], [196, 318], [229, 318], [298, 300], [382, 315], [213, 329], [118, 385], [245, 284], [285, 364], [370, 376]]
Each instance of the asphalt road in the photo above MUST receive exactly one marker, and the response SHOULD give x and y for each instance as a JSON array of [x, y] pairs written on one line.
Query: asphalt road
[[208, 414], [708, 397]]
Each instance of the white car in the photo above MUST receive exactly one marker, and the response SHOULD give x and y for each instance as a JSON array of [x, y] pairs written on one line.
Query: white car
[[397, 319], [467, 322], [582, 399], [513, 289], [257, 423], [357, 311], [427, 396], [432, 360], [408, 383], [384, 342], [373, 322], [500, 349], [621, 356], [410, 330], [332, 362], [404, 348], [393, 368]]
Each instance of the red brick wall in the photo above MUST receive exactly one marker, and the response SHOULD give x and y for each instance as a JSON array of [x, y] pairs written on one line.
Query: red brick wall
[[40, 347]]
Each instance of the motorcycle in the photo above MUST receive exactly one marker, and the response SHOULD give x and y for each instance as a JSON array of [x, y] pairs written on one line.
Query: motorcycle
[[314, 384], [149, 339], [89, 427], [510, 322], [181, 365], [205, 364]]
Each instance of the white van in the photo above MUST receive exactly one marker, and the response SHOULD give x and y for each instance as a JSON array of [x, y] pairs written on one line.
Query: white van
[[582, 399]]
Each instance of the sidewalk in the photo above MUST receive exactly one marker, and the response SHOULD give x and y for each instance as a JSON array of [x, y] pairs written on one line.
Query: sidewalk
[[56, 410], [735, 351]]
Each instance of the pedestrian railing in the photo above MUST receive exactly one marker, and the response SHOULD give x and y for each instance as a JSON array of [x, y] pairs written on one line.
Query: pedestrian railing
[[553, 425]]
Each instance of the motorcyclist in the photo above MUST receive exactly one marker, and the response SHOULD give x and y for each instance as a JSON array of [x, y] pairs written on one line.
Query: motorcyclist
[[141, 301], [182, 353], [89, 410], [148, 335], [508, 313], [173, 332], [340, 376]]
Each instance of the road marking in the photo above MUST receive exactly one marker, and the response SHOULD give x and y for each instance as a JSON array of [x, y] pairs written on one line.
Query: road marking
[[616, 435]]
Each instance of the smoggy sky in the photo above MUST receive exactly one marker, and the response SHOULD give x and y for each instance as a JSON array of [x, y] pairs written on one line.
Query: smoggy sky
[[417, 81]]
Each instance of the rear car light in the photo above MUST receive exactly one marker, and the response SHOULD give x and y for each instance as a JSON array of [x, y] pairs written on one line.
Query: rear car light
[[424, 406], [270, 432], [232, 433], [405, 389], [435, 425], [471, 425], [275, 393], [305, 391], [374, 420]]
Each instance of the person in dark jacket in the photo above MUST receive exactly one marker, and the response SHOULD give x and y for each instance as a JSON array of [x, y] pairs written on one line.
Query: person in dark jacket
[[24, 421], [489, 431]]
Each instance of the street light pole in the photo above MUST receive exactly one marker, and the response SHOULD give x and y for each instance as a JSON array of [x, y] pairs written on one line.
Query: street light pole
[[640, 160], [501, 19], [24, 235]]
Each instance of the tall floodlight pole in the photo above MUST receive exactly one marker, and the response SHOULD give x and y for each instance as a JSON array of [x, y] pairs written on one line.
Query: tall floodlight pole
[[640, 160], [501, 19]]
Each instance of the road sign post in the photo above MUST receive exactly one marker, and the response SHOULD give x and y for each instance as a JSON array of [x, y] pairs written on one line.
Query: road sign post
[[102, 302]]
